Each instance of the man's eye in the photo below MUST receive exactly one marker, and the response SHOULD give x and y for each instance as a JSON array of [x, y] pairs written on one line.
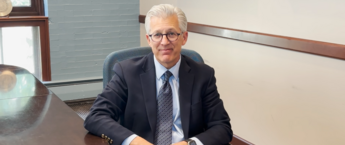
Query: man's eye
[[172, 34], [157, 35]]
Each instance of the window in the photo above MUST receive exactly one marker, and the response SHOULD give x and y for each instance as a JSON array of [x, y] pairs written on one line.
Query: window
[[22, 48], [27, 8], [24, 38], [21, 3]]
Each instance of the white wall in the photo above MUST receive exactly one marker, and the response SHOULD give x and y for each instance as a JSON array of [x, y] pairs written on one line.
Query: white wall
[[274, 96], [310, 19]]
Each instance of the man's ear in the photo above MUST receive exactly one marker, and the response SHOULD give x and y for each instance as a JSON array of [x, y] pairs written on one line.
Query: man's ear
[[148, 39], [185, 37]]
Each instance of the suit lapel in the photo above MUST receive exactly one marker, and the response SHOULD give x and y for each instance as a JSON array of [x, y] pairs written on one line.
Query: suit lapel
[[148, 84], [186, 86]]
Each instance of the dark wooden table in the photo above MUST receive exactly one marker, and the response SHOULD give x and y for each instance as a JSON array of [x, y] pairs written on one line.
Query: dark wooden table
[[30, 114]]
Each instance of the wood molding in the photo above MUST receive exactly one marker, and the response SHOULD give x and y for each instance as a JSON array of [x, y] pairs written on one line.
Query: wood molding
[[142, 19], [290, 43], [42, 22], [23, 18], [45, 53]]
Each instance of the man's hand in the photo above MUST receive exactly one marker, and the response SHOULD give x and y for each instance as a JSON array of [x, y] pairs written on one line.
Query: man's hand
[[181, 143], [140, 141]]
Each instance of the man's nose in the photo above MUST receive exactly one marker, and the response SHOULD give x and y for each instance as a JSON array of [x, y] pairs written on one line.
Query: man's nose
[[165, 40]]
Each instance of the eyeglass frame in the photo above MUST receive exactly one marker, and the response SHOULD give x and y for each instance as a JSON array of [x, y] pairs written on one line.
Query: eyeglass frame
[[166, 35]]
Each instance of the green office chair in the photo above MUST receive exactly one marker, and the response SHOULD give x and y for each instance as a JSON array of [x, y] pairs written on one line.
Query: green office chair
[[124, 54]]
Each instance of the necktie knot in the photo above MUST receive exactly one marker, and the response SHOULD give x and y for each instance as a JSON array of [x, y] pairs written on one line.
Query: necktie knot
[[167, 75]]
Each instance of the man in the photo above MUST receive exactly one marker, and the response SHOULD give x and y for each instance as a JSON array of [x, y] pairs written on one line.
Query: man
[[163, 98]]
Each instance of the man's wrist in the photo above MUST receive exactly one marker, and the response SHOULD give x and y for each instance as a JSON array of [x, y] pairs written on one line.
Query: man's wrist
[[190, 141], [129, 139]]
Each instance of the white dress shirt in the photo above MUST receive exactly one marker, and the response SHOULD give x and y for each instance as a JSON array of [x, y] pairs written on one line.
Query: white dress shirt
[[177, 132]]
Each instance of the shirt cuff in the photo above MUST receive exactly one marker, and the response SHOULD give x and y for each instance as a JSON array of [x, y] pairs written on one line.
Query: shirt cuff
[[129, 139], [197, 141]]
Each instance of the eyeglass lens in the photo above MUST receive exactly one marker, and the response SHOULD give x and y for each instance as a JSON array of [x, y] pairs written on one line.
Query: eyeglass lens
[[170, 36]]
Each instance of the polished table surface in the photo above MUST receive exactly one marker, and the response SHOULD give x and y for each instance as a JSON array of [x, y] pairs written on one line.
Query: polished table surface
[[30, 114]]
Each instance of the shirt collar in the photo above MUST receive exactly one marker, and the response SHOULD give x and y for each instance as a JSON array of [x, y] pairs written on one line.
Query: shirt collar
[[160, 69]]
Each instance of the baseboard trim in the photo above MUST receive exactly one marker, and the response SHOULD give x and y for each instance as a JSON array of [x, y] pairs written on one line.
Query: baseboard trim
[[72, 82]]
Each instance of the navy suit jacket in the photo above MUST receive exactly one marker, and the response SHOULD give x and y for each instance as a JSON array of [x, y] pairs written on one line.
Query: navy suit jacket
[[128, 104]]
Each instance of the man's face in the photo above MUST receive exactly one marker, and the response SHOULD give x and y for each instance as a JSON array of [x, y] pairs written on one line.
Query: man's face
[[167, 52]]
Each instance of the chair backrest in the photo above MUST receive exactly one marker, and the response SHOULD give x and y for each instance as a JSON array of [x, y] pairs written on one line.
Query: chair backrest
[[124, 54]]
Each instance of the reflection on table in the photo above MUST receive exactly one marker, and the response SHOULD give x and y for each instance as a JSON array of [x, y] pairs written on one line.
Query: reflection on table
[[30, 114]]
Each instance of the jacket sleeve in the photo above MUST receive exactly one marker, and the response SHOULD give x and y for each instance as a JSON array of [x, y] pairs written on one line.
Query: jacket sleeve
[[216, 120], [107, 109]]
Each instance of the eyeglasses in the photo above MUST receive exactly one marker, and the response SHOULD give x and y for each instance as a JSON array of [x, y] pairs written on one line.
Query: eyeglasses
[[171, 36]]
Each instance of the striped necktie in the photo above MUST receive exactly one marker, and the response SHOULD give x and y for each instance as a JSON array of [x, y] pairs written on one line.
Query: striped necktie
[[164, 124]]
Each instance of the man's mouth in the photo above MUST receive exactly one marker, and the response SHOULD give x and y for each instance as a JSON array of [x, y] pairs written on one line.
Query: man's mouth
[[167, 50]]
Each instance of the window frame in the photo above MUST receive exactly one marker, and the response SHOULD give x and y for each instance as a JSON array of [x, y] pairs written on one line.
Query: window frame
[[43, 24], [36, 9]]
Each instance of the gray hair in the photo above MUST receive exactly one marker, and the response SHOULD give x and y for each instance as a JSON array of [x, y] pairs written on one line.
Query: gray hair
[[163, 11]]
